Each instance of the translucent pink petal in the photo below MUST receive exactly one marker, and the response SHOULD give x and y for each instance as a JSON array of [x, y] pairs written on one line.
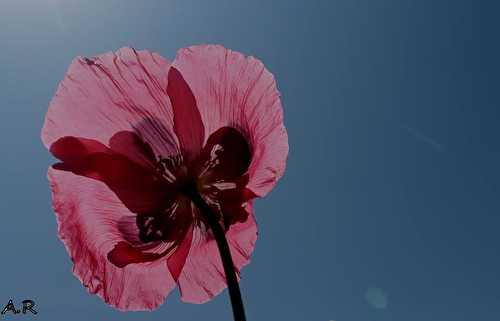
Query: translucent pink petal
[[238, 91], [113, 92], [88, 216], [203, 276]]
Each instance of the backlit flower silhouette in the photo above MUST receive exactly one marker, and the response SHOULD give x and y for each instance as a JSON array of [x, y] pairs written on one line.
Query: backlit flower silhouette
[[154, 158]]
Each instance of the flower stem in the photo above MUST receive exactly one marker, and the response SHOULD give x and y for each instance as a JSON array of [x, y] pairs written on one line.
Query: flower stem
[[225, 253]]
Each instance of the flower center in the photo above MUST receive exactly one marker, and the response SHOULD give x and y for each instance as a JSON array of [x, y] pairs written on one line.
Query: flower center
[[171, 169], [171, 220], [215, 178]]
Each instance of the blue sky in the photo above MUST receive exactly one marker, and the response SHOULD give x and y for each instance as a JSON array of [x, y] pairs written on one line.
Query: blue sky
[[389, 206]]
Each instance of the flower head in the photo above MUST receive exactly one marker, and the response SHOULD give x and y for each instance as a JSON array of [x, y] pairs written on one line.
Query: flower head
[[136, 136]]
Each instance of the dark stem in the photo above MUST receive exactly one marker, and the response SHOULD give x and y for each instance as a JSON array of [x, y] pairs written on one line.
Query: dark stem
[[225, 253]]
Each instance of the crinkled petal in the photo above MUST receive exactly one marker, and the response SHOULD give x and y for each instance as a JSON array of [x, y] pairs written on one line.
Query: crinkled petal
[[88, 214], [113, 92], [203, 275], [237, 91]]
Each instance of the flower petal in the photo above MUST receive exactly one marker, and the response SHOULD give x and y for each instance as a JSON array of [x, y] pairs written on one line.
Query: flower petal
[[232, 202], [124, 254], [237, 91], [177, 260], [113, 92], [226, 156], [130, 145], [203, 275], [187, 120], [87, 214], [136, 186]]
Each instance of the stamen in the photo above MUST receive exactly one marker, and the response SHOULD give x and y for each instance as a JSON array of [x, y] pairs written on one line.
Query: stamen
[[215, 149], [221, 185], [214, 159], [211, 199], [166, 167], [172, 209], [148, 221]]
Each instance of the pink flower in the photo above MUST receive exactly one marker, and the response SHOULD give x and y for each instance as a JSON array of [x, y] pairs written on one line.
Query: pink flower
[[136, 134]]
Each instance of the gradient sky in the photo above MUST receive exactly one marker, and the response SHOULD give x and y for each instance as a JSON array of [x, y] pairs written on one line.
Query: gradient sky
[[389, 206]]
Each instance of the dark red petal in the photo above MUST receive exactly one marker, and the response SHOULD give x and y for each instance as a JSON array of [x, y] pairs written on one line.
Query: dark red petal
[[136, 186], [232, 202], [176, 261], [72, 148], [229, 148], [187, 120], [233, 210], [124, 254], [129, 144]]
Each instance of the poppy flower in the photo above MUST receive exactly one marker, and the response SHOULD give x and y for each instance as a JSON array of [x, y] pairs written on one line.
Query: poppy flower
[[144, 144]]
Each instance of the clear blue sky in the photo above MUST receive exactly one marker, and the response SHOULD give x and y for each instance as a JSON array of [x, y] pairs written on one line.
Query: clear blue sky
[[389, 208]]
